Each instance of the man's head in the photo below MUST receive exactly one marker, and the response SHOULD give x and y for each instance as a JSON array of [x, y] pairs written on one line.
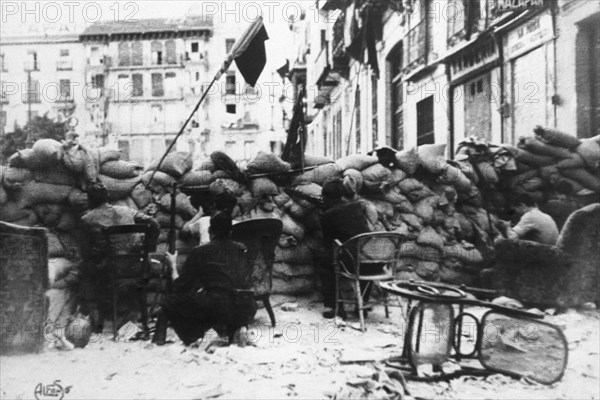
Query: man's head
[[332, 193], [220, 226], [225, 201], [97, 194], [522, 204]]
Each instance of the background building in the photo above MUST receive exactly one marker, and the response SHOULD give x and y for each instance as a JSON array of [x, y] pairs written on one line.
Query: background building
[[406, 73]]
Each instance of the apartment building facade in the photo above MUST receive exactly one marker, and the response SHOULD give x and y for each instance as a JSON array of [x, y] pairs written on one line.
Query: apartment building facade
[[438, 71]]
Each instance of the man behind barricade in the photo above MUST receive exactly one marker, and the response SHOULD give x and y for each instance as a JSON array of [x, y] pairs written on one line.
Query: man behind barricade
[[95, 275], [204, 294], [533, 224]]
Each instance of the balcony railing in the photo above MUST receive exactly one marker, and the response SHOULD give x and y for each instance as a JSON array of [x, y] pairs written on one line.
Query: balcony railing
[[64, 65], [340, 59]]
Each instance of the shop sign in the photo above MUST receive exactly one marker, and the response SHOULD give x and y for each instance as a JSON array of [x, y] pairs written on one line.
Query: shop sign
[[528, 35]]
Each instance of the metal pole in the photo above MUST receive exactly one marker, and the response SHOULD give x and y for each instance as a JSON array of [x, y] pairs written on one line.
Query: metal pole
[[28, 142]]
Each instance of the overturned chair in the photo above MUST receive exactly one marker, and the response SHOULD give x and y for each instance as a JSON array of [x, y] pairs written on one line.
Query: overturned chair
[[260, 236], [564, 275]]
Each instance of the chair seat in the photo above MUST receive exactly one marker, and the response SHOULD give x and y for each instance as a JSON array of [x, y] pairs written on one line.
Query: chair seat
[[368, 277]]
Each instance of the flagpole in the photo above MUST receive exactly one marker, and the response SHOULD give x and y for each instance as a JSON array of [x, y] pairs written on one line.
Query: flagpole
[[218, 75]]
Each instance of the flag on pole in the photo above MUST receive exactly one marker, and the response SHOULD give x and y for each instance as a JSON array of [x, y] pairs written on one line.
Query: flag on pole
[[295, 144], [249, 52]]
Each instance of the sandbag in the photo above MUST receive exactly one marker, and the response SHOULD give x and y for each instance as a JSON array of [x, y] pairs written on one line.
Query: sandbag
[[267, 163], [160, 178], [585, 178], [563, 181], [3, 195], [399, 201], [78, 199], [197, 178], [126, 202], [107, 154], [574, 161], [224, 163], [15, 177], [58, 268], [356, 161], [141, 196], [164, 220], [260, 187], [321, 174], [300, 254], [247, 201], [67, 222], [556, 138], [55, 246], [454, 273], [428, 270], [311, 190], [313, 161], [183, 206], [281, 199], [33, 193], [589, 149], [118, 188], [24, 159], [384, 208], [291, 227], [82, 160], [418, 195], [415, 251], [222, 186], [535, 195], [549, 173], [12, 211], [298, 209], [409, 185], [487, 172], [532, 184], [466, 230], [49, 214], [376, 177], [408, 160], [429, 237], [468, 255], [121, 169], [397, 176], [206, 165], [431, 157], [47, 151], [536, 146], [176, 164], [353, 181], [57, 174], [414, 221], [71, 243], [530, 158], [370, 211]]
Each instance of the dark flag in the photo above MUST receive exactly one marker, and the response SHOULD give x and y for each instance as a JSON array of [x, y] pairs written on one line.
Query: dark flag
[[249, 52], [293, 151], [284, 69]]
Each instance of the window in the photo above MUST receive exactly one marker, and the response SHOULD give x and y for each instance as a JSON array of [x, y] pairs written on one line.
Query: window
[[171, 52], [171, 84], [157, 85], [156, 111], [65, 90], [230, 83], [64, 52], [395, 137], [32, 94], [124, 54], [95, 57], [124, 87], [229, 45], [137, 53], [98, 81], [416, 40], [32, 61], [197, 76], [138, 85], [425, 133], [195, 47], [2, 64], [231, 109], [157, 53]]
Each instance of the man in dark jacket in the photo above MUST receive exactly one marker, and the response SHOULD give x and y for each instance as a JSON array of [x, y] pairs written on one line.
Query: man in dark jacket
[[203, 294], [343, 219]]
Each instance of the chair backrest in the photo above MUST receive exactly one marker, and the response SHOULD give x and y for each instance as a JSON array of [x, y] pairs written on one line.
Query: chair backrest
[[127, 248], [369, 248], [260, 236]]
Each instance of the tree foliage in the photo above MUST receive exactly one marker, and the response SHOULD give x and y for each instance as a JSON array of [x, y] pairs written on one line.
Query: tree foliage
[[40, 128]]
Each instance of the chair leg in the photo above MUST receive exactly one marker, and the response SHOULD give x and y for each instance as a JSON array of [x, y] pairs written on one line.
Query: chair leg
[[144, 310], [267, 302], [385, 303], [114, 310], [336, 307], [359, 300]]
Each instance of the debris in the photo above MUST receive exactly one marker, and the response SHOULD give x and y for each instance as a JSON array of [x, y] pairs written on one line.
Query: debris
[[356, 356], [588, 306], [425, 370], [507, 302], [290, 307], [450, 367]]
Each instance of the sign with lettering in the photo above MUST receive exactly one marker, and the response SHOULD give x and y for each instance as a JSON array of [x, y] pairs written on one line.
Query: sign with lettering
[[528, 35]]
